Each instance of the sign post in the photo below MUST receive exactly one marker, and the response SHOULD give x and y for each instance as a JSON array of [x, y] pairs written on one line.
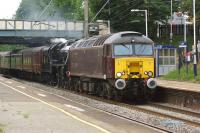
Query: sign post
[[183, 47], [198, 50]]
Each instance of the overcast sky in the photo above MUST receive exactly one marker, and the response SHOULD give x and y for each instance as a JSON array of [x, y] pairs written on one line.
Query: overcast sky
[[8, 8]]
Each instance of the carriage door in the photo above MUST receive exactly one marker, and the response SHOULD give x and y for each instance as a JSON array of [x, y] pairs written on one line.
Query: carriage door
[[109, 61]]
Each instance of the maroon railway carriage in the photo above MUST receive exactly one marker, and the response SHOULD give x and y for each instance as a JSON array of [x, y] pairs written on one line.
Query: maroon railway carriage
[[29, 61]]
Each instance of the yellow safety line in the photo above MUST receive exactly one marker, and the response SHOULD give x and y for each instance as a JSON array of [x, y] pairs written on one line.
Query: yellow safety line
[[67, 113]]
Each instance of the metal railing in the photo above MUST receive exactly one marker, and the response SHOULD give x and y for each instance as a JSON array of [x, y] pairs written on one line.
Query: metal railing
[[41, 25]]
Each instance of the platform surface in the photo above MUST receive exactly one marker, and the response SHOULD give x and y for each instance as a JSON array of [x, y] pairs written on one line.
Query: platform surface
[[26, 109], [179, 85]]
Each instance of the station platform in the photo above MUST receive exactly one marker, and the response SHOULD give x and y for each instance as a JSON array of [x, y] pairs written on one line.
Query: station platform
[[179, 85], [25, 109]]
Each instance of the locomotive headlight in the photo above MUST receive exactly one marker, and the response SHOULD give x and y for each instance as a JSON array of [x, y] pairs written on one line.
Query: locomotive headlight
[[123, 73], [119, 74], [150, 74], [145, 72]]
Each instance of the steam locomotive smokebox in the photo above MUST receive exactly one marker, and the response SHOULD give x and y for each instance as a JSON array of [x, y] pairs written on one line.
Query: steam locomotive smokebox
[[93, 29]]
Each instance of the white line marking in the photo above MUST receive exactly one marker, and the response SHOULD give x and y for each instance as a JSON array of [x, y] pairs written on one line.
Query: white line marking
[[59, 109], [42, 95], [8, 82], [75, 108], [21, 87]]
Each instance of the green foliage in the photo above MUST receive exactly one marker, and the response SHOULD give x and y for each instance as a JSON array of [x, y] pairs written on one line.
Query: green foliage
[[117, 11], [187, 6], [70, 9], [7, 47], [57, 10], [123, 19], [1, 130], [174, 75], [30, 9]]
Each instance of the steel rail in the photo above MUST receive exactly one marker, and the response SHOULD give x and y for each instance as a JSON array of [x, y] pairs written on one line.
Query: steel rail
[[175, 108]]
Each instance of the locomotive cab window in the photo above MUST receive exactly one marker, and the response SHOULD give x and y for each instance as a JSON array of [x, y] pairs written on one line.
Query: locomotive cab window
[[143, 49], [133, 49], [123, 50]]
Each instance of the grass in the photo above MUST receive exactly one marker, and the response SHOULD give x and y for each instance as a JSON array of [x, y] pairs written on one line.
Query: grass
[[26, 116], [174, 75], [8, 47], [1, 130]]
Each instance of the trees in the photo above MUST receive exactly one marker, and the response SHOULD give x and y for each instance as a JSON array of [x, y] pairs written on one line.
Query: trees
[[117, 11], [187, 5], [123, 19], [30, 9], [58, 9]]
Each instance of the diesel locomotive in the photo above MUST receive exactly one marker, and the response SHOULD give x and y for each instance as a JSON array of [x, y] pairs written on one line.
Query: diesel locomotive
[[113, 66]]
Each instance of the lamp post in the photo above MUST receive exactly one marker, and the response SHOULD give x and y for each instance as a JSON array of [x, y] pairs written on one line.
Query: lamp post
[[195, 45], [171, 30], [146, 19], [185, 17]]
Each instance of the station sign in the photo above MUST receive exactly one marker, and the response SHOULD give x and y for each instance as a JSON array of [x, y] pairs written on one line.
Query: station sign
[[183, 45], [164, 47]]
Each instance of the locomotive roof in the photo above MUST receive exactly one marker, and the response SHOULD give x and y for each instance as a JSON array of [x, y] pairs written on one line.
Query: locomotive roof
[[127, 37], [120, 37]]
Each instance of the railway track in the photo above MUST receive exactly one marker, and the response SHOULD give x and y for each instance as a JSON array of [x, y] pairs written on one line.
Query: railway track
[[158, 109], [175, 108], [152, 108]]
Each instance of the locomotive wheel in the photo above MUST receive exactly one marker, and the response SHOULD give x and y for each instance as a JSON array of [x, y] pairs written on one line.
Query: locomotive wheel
[[72, 85], [67, 84], [79, 86], [108, 91], [98, 88], [118, 95]]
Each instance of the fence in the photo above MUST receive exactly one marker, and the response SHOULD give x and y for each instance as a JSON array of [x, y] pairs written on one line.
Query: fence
[[177, 30], [44, 25]]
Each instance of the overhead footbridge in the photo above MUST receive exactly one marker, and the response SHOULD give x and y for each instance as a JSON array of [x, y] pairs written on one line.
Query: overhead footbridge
[[22, 31]]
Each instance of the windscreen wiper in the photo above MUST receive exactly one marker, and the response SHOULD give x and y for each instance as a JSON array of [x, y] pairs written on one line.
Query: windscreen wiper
[[126, 46]]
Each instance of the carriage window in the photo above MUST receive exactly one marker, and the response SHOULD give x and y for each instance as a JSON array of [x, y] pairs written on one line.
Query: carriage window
[[143, 49], [123, 49]]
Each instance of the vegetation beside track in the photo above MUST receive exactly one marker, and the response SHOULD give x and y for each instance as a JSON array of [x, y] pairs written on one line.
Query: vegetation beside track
[[174, 75], [1, 130], [7, 47]]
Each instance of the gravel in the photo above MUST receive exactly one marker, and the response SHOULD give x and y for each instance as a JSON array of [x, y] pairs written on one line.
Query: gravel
[[157, 121]]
